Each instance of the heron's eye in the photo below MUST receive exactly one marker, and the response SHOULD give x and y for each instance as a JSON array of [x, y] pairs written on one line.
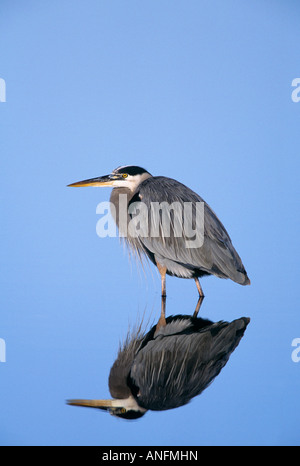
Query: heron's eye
[[125, 175]]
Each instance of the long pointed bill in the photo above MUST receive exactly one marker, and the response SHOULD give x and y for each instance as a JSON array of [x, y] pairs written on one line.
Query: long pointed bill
[[106, 180], [100, 404]]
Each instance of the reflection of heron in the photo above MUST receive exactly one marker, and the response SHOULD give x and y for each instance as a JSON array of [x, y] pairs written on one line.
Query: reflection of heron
[[167, 250], [166, 367]]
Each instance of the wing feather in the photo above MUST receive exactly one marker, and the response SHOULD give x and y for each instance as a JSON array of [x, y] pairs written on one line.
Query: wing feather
[[216, 255], [170, 370]]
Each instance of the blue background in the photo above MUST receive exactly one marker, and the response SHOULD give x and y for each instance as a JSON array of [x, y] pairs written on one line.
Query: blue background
[[196, 90]]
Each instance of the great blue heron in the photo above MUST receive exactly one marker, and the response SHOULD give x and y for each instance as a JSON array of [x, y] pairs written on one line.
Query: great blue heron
[[215, 254], [168, 366]]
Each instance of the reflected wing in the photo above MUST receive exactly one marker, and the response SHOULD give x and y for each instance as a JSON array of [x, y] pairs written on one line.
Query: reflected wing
[[170, 370], [215, 255]]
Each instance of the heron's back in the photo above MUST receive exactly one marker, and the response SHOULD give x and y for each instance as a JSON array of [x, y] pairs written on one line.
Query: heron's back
[[181, 361], [216, 255]]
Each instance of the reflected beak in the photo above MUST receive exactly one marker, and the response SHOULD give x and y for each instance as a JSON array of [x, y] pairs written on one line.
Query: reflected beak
[[100, 404], [107, 180]]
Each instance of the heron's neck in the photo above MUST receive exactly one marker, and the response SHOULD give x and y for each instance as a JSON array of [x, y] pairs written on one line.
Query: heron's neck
[[122, 190], [120, 198], [119, 194]]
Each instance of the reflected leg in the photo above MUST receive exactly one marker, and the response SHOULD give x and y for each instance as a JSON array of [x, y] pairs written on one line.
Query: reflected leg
[[200, 301], [162, 320]]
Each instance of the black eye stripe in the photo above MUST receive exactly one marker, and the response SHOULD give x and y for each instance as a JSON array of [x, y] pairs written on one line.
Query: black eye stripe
[[130, 170]]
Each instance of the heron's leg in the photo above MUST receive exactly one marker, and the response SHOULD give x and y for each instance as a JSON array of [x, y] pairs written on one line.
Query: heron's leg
[[162, 270], [200, 301], [199, 288], [162, 320]]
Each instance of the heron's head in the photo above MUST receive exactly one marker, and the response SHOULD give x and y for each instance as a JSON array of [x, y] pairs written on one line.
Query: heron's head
[[128, 176], [126, 409]]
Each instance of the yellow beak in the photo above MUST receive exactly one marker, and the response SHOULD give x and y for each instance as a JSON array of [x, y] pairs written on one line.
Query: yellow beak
[[106, 180], [100, 404]]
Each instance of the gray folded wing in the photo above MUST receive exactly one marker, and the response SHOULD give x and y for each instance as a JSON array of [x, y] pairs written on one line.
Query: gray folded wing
[[171, 369], [216, 255]]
